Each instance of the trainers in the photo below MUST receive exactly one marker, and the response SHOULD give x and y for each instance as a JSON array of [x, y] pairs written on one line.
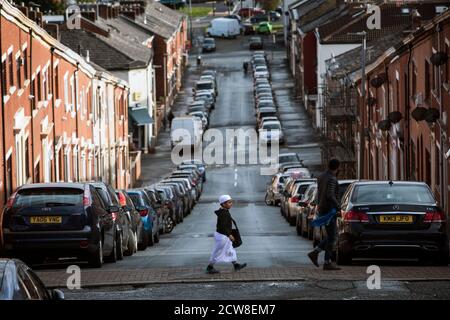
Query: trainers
[[211, 270], [314, 256], [238, 266], [330, 266]]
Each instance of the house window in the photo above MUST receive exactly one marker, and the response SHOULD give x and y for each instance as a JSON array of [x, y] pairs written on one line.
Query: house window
[[8, 182], [67, 166], [21, 158], [56, 86], [66, 90], [11, 70], [397, 94], [45, 84], [75, 165], [447, 65], [46, 160], [33, 93], [37, 172], [4, 81], [83, 166], [25, 64], [427, 80], [18, 73], [72, 94], [39, 86], [27, 161]]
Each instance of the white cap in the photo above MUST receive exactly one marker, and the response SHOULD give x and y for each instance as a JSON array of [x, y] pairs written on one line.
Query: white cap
[[224, 198]]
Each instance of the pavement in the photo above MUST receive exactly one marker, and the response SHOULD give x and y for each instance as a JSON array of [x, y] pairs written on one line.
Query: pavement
[[272, 249]]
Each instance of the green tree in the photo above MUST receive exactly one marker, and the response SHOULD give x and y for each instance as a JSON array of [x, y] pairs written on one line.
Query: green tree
[[55, 6], [269, 5]]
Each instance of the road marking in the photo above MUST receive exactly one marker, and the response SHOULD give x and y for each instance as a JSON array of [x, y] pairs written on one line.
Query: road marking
[[235, 177]]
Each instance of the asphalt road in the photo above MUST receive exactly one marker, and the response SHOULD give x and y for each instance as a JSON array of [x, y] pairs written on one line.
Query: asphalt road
[[268, 239]]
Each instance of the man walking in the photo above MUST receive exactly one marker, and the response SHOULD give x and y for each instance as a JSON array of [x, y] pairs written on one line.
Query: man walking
[[328, 207], [223, 249]]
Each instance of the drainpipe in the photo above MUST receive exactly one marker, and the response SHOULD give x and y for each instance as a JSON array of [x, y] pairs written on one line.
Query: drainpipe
[[76, 117], [407, 119], [3, 111], [31, 107], [52, 50], [442, 160], [388, 146]]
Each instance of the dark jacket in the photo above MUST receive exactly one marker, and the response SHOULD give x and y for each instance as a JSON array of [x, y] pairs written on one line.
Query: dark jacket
[[327, 193], [224, 221]]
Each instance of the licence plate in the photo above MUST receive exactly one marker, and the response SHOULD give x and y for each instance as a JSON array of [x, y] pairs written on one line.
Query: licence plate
[[46, 220], [396, 219]]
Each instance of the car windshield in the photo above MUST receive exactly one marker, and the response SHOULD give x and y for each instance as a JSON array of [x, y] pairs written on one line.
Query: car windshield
[[271, 126], [204, 86], [49, 197], [209, 41], [395, 193], [288, 158]]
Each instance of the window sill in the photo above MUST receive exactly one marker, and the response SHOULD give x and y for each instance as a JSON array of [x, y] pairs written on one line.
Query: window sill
[[73, 114], [6, 98], [12, 90], [446, 86], [57, 103], [20, 92], [26, 83]]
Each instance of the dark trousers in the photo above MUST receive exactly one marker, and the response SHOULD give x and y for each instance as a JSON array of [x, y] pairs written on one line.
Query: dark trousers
[[327, 244]]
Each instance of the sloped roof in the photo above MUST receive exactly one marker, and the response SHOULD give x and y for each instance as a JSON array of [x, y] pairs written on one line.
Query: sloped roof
[[101, 51], [342, 29]]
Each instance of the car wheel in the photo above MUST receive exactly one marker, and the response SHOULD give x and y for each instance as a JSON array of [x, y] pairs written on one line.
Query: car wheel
[[156, 238], [298, 225], [132, 244], [119, 246], [113, 255], [144, 243], [96, 258], [168, 225], [342, 257], [267, 200]]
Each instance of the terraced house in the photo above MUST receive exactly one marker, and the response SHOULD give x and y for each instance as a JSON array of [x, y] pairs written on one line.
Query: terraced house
[[55, 110]]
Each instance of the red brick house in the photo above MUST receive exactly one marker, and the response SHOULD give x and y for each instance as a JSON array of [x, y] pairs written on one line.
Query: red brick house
[[48, 97]]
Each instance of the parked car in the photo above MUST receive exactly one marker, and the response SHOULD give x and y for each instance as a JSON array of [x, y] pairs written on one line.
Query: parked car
[[174, 203], [288, 158], [55, 220], [206, 85], [274, 15], [158, 202], [391, 217], [259, 18], [261, 72], [19, 282], [202, 116], [247, 12], [256, 43], [149, 217], [306, 213], [207, 96], [137, 226], [195, 176], [273, 192], [123, 226], [295, 192], [209, 45], [264, 28], [223, 27], [264, 112], [200, 166], [271, 131], [234, 16], [186, 131]]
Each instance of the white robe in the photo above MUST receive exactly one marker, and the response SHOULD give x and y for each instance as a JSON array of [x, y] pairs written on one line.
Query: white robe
[[223, 250]]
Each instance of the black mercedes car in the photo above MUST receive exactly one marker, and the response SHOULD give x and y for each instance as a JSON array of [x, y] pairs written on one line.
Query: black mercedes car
[[395, 219]]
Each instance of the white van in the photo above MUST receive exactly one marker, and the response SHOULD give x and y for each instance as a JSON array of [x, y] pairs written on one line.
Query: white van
[[186, 131], [224, 27]]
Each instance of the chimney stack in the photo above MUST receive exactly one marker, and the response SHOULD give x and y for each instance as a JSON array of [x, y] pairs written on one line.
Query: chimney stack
[[91, 15]]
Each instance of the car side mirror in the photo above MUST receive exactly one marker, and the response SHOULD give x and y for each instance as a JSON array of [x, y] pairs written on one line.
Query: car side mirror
[[56, 294], [114, 209]]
